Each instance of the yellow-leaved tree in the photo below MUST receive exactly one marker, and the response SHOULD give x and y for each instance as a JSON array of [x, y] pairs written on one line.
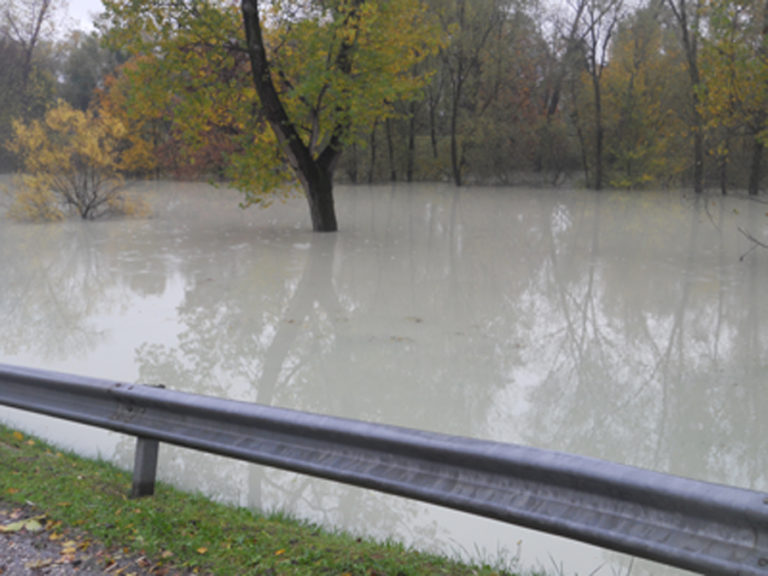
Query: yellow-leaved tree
[[74, 161]]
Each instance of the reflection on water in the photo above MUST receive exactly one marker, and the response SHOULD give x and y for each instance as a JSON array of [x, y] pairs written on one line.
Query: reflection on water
[[617, 325]]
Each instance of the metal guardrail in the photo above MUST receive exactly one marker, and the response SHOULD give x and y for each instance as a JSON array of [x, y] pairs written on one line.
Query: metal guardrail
[[708, 528]]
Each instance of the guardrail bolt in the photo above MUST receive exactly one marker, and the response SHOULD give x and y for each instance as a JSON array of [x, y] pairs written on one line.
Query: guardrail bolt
[[762, 562]]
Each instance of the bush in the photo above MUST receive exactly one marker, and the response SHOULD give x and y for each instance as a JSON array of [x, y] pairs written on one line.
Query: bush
[[72, 160]]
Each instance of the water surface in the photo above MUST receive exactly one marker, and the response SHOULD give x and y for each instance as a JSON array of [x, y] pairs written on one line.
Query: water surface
[[624, 326]]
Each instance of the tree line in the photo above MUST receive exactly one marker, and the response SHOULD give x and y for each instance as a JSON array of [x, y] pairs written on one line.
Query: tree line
[[606, 93]]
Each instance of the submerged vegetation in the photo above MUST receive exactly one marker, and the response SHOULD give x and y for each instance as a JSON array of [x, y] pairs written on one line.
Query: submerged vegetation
[[74, 161]]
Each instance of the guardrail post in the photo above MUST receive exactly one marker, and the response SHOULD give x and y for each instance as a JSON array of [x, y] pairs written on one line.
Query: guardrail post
[[144, 467]]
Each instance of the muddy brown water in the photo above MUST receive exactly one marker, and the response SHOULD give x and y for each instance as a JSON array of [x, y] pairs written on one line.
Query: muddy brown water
[[628, 326]]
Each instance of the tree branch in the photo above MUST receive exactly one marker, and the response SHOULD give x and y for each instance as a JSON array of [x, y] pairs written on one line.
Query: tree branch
[[755, 242]]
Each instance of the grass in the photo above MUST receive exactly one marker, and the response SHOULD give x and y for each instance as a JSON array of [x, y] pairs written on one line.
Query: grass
[[189, 533]]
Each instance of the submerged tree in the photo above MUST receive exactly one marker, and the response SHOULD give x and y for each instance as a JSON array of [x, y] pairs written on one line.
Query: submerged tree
[[74, 160], [290, 84]]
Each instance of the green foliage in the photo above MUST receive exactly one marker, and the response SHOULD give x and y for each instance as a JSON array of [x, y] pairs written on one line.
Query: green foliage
[[465, 90], [85, 65], [476, 63], [27, 71], [645, 133], [193, 73], [502, 132], [734, 94]]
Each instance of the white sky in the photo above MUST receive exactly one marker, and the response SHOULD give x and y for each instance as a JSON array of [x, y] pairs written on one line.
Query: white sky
[[80, 11]]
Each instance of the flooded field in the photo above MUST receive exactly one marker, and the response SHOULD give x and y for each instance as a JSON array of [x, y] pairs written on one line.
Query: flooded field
[[627, 326]]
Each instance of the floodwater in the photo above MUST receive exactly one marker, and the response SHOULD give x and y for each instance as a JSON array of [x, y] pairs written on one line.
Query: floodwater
[[624, 326]]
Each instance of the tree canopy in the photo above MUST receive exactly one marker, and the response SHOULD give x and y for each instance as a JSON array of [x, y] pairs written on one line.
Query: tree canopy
[[264, 94], [287, 85]]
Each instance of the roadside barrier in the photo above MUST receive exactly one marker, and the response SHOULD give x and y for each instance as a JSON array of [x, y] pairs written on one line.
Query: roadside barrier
[[699, 526]]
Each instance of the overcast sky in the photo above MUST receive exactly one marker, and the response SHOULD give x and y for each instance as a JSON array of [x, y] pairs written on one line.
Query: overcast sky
[[80, 11]]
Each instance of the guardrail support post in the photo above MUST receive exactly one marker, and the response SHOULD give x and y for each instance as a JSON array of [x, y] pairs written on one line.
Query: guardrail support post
[[144, 467]]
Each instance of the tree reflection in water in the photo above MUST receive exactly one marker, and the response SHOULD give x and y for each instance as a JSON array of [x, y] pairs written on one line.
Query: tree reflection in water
[[617, 325]]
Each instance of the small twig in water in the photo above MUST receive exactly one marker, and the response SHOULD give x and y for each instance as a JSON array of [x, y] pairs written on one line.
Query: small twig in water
[[755, 243]]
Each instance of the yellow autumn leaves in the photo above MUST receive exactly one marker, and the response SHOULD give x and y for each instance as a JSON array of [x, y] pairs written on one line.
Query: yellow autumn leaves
[[73, 160], [68, 549], [28, 524]]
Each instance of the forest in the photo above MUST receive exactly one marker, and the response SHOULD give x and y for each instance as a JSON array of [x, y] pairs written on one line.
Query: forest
[[599, 93]]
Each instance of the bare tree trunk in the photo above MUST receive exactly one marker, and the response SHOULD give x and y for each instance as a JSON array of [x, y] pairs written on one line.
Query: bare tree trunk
[[724, 175], [372, 165], [433, 127], [390, 151], [599, 133], [584, 158], [352, 171], [455, 161], [698, 153], [411, 143], [27, 36], [552, 102], [319, 191], [580, 134], [689, 31], [755, 170], [601, 21]]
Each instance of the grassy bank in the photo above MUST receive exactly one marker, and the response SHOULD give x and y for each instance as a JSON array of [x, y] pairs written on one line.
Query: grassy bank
[[188, 533]]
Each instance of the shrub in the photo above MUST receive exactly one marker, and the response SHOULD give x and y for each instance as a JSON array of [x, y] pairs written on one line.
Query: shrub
[[72, 160]]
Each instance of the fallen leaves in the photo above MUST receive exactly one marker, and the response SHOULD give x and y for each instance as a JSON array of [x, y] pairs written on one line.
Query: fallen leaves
[[69, 548], [41, 544], [29, 524], [38, 564]]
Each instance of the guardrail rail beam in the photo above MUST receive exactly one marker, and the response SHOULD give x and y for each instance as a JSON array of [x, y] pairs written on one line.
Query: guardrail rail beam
[[699, 526]]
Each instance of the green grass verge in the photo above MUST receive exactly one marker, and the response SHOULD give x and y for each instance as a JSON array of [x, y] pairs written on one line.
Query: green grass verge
[[189, 532]]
